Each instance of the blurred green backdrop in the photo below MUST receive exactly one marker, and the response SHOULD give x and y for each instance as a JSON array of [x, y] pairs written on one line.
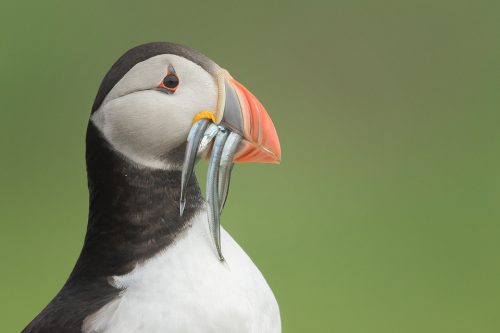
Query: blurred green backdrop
[[384, 215]]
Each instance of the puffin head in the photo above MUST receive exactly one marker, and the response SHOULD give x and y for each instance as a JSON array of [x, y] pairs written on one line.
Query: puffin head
[[164, 105], [151, 97]]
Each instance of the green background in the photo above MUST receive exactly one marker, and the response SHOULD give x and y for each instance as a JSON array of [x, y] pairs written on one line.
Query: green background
[[384, 215]]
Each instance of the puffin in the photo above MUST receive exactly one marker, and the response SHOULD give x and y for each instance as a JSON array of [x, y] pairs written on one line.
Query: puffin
[[155, 258]]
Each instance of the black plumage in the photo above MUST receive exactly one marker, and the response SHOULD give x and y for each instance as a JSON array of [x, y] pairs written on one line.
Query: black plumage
[[133, 212]]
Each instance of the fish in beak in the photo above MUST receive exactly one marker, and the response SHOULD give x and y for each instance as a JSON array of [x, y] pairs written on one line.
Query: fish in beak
[[238, 131]]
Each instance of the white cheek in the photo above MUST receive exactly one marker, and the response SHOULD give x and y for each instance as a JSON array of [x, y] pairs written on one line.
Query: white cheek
[[145, 124]]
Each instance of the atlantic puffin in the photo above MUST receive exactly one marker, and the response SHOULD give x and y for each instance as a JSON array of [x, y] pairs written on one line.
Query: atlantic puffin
[[154, 258]]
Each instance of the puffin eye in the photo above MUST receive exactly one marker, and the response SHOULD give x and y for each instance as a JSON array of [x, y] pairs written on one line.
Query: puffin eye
[[170, 81]]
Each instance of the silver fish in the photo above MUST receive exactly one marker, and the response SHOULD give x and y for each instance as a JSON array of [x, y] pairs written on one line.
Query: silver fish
[[226, 166], [193, 141], [208, 136], [213, 191]]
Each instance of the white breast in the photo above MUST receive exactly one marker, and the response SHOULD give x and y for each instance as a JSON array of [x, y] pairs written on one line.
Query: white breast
[[185, 289]]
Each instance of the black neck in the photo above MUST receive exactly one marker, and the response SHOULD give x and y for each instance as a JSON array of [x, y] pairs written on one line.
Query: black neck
[[134, 211]]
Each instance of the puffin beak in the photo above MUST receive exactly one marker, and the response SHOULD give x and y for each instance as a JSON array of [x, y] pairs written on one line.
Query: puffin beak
[[241, 131], [242, 112]]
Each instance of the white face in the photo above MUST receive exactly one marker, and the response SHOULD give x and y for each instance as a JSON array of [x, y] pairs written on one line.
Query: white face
[[145, 124]]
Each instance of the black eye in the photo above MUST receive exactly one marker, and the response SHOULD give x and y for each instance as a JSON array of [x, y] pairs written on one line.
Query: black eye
[[171, 81]]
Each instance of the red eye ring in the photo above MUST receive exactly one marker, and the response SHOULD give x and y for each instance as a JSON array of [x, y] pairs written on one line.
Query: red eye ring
[[170, 82]]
